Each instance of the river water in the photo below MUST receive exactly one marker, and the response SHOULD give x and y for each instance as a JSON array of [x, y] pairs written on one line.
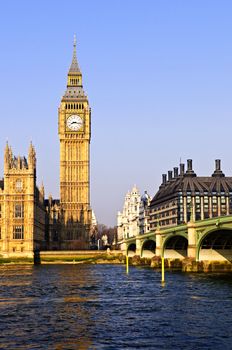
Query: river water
[[100, 307]]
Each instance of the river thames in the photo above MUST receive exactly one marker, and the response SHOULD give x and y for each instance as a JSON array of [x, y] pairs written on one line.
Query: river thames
[[100, 307]]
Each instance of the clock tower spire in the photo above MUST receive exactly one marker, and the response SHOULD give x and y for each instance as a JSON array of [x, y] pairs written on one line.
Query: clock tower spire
[[74, 134], [74, 74]]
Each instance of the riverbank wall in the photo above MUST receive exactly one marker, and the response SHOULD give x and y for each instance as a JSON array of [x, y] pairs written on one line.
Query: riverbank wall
[[69, 257], [185, 265], [82, 256], [117, 257]]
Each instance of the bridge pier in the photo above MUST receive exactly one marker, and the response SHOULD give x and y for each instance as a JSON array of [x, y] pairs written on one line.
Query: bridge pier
[[158, 250], [192, 240], [138, 246], [123, 247]]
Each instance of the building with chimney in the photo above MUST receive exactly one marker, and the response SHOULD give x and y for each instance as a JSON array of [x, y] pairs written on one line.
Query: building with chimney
[[184, 194], [22, 214]]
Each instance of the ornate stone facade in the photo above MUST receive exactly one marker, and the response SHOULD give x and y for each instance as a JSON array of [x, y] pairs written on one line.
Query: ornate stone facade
[[127, 220], [27, 220], [133, 219], [74, 135], [22, 214]]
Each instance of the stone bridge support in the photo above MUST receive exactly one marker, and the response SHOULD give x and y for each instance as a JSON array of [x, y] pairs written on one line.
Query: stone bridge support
[[139, 244], [192, 240], [159, 247]]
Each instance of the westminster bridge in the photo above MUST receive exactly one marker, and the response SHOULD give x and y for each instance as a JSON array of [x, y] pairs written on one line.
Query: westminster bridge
[[209, 239]]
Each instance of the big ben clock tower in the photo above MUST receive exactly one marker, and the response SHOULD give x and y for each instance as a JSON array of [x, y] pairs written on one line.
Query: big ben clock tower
[[74, 135]]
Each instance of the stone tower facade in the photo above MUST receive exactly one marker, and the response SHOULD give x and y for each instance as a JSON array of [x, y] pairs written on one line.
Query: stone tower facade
[[74, 134], [128, 219], [22, 214]]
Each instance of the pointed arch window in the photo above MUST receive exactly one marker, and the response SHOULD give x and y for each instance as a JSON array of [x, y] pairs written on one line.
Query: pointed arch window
[[19, 210]]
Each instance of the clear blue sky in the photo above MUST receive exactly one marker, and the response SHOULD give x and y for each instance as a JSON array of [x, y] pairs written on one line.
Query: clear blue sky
[[159, 79]]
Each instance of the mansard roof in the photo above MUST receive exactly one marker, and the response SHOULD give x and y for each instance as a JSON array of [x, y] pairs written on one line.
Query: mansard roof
[[189, 184], [74, 93]]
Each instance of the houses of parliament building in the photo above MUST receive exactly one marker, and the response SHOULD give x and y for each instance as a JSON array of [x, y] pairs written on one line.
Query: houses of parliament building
[[28, 221]]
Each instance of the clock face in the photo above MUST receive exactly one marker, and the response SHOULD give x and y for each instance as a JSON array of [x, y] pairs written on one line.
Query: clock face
[[74, 122]]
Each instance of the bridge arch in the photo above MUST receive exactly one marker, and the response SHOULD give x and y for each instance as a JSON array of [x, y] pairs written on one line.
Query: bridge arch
[[148, 248], [216, 245], [175, 247], [131, 249]]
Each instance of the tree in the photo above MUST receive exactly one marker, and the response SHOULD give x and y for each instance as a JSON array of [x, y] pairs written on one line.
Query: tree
[[110, 232]]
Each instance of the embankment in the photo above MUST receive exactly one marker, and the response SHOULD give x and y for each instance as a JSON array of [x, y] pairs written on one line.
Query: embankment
[[185, 265]]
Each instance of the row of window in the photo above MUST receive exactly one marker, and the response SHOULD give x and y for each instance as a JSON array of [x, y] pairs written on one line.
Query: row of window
[[189, 200], [164, 206], [164, 214], [168, 222], [215, 206], [74, 106], [74, 81], [206, 214]]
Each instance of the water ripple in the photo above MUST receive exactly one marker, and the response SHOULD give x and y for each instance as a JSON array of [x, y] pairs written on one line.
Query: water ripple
[[100, 307]]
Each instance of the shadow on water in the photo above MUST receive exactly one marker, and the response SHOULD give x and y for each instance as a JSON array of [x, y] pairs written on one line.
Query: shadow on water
[[101, 307]]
